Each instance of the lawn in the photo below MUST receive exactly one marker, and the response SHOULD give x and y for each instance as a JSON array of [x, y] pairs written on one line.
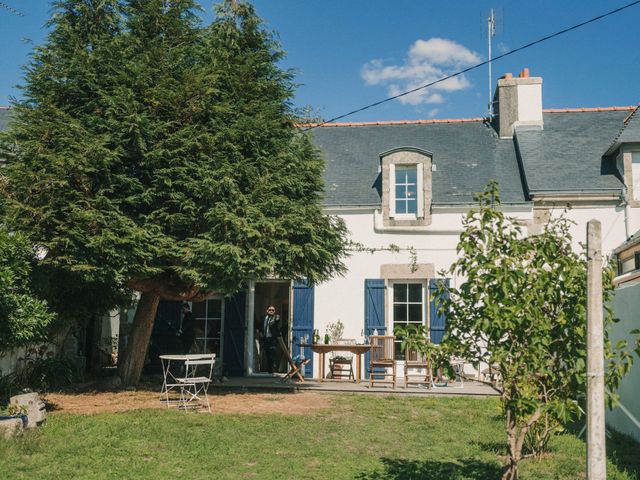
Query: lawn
[[350, 437]]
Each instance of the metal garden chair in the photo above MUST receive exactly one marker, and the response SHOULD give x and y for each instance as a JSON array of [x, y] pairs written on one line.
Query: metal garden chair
[[193, 387]]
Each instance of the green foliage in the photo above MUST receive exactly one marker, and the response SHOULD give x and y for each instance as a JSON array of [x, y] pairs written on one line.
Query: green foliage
[[23, 317], [522, 309], [414, 337], [153, 152]]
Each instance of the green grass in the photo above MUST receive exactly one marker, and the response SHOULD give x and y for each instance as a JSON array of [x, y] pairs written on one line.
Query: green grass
[[360, 437]]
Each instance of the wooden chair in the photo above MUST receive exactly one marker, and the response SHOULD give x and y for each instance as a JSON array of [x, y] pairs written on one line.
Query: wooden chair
[[341, 364], [382, 362], [415, 360], [294, 368]]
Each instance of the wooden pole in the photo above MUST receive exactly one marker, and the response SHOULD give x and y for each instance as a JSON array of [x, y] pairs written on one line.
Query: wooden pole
[[596, 450]]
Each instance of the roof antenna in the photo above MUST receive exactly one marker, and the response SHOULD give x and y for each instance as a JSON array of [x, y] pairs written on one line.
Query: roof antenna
[[491, 32]]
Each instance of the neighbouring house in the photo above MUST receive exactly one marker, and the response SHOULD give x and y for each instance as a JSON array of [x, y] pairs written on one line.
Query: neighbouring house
[[625, 417]]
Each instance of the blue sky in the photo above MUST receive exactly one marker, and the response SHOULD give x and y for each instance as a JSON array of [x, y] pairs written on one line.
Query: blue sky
[[348, 53]]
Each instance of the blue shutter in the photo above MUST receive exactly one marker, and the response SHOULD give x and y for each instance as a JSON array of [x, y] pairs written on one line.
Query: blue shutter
[[302, 324], [374, 312], [234, 331], [438, 321]]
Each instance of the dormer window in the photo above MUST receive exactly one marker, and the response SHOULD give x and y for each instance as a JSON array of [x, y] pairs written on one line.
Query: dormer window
[[406, 187]]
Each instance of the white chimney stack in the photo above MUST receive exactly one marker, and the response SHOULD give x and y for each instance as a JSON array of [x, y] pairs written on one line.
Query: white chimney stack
[[518, 101]]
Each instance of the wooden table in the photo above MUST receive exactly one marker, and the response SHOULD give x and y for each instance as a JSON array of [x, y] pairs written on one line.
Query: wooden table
[[323, 348]]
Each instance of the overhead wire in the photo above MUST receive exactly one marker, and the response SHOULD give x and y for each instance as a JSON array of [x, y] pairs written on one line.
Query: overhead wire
[[478, 65]]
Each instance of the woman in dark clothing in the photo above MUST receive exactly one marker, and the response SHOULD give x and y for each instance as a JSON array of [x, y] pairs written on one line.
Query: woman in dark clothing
[[187, 331]]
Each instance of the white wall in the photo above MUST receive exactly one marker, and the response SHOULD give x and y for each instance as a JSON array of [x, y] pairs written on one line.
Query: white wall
[[611, 218]]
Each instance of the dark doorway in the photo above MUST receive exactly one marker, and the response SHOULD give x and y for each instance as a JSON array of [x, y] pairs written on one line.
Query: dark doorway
[[277, 294]]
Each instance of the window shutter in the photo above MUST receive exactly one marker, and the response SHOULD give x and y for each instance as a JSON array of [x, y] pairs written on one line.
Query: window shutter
[[392, 190], [420, 190], [302, 323], [438, 321], [374, 312], [234, 331]]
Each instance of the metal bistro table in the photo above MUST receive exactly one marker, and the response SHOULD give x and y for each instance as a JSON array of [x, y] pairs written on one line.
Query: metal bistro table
[[323, 348], [169, 379]]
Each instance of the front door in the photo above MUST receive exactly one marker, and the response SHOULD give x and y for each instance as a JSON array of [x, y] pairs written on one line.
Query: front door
[[274, 294]]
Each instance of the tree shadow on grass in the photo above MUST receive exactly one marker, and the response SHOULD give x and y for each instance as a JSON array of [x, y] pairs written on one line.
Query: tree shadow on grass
[[401, 469], [623, 452]]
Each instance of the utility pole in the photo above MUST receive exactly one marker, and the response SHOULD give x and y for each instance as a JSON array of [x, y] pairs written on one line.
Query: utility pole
[[596, 449], [491, 32]]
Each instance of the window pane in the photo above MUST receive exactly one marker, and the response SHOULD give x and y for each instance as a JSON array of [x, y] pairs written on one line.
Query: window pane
[[411, 174], [415, 292], [401, 192], [400, 313], [215, 308], [401, 174], [213, 327], [401, 206], [415, 313], [400, 292], [198, 309], [412, 206]]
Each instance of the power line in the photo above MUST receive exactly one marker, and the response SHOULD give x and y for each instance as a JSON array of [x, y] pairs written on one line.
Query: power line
[[478, 65], [11, 9]]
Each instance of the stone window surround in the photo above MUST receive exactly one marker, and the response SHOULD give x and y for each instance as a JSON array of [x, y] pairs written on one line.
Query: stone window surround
[[626, 154], [407, 156]]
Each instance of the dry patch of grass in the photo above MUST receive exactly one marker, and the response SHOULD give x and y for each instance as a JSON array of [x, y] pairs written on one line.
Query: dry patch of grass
[[255, 403]]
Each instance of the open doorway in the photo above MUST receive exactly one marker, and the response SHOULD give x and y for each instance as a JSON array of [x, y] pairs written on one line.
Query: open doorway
[[271, 294]]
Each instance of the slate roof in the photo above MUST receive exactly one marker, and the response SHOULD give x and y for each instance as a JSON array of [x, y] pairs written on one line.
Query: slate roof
[[630, 132], [565, 156], [467, 154]]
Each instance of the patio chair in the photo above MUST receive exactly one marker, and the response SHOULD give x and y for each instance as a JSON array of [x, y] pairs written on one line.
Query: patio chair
[[382, 362], [341, 364], [294, 367], [193, 387], [415, 360]]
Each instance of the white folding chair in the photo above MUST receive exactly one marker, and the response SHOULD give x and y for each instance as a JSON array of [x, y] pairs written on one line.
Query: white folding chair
[[193, 387]]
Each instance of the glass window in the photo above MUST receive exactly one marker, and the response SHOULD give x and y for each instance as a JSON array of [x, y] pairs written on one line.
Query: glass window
[[208, 316], [408, 307], [406, 189]]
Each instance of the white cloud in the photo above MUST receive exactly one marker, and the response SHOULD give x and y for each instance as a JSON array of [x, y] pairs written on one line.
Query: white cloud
[[426, 62]]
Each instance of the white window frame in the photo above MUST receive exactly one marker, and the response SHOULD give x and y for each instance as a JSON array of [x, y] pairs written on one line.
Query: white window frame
[[206, 321], [425, 302], [419, 192]]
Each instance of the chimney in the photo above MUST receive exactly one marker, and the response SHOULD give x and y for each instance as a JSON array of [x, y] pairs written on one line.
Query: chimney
[[517, 101]]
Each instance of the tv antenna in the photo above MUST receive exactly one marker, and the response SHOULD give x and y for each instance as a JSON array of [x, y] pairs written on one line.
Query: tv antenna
[[491, 32], [11, 9]]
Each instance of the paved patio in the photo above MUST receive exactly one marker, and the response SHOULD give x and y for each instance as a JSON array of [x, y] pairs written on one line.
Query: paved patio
[[274, 383]]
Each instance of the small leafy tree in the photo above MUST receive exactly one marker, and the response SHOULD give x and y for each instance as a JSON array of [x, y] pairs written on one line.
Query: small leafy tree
[[24, 318], [522, 311]]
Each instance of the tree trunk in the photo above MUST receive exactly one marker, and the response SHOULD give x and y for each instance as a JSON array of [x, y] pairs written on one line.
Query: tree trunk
[[132, 360]]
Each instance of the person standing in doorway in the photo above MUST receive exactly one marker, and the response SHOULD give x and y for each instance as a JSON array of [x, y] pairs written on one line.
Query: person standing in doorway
[[187, 332], [270, 330]]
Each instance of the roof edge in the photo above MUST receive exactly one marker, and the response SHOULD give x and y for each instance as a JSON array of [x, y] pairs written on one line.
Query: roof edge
[[460, 120]]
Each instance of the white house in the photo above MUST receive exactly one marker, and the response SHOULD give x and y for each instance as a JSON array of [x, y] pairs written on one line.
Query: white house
[[408, 184]]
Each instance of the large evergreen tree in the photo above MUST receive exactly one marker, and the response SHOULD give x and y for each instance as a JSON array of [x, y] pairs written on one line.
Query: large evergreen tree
[[153, 152]]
